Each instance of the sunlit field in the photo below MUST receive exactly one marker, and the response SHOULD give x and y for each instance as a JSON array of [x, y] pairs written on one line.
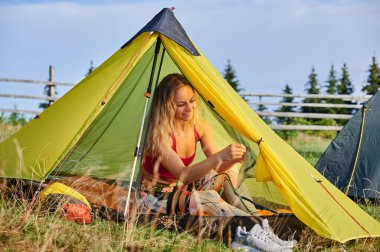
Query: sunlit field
[[49, 231]]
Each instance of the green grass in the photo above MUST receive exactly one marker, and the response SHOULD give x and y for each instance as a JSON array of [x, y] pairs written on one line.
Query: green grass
[[310, 147]]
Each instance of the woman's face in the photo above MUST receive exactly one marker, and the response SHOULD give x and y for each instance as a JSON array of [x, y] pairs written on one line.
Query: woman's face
[[184, 100]]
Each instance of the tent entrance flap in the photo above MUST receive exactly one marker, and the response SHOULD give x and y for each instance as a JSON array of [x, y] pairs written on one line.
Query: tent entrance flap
[[106, 149]]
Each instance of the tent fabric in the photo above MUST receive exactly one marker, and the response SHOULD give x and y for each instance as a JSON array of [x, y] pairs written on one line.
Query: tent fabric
[[166, 24], [62, 135], [352, 159], [42, 144], [291, 173]]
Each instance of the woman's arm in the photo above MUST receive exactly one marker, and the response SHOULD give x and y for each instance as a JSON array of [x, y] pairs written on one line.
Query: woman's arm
[[233, 153], [209, 147]]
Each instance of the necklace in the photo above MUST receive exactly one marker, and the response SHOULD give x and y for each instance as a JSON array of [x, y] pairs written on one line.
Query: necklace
[[181, 131], [180, 134]]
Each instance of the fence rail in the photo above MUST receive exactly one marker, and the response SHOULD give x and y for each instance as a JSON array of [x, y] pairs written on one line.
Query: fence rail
[[360, 98], [305, 127], [36, 97], [300, 104], [356, 100], [50, 83], [304, 115]]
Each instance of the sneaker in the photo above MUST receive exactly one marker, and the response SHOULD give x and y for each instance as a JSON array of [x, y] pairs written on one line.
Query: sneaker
[[258, 238], [275, 238], [240, 242]]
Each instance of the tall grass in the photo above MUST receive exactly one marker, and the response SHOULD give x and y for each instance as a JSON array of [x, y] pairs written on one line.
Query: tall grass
[[8, 129], [44, 231], [49, 231]]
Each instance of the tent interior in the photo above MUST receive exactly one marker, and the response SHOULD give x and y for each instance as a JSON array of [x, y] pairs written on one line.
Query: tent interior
[[105, 150]]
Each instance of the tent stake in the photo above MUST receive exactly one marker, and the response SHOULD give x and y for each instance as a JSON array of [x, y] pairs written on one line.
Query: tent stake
[[137, 150]]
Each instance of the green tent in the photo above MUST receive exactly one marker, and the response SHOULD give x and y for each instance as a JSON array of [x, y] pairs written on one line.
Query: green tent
[[352, 160], [94, 130]]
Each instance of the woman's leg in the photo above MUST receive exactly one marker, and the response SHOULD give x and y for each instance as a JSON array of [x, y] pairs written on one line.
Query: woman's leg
[[226, 183], [209, 203]]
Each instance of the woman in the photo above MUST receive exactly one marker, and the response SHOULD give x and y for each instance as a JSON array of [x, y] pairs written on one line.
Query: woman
[[168, 166]]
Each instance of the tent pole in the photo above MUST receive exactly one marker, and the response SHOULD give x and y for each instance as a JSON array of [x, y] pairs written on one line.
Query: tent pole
[[364, 110], [149, 119], [137, 150]]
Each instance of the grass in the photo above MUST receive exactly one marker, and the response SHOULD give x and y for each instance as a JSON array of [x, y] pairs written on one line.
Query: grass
[[44, 231], [7, 129], [50, 232], [310, 147]]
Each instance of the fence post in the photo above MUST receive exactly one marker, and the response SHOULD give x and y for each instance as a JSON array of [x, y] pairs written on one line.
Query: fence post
[[52, 87]]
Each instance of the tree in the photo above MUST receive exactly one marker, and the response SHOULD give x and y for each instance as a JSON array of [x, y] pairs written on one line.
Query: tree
[[262, 108], [16, 119], [312, 88], [345, 87], [286, 109], [230, 76], [373, 78], [331, 89], [285, 134]]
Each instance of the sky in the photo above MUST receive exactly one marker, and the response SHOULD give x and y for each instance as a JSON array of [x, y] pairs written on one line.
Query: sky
[[270, 42]]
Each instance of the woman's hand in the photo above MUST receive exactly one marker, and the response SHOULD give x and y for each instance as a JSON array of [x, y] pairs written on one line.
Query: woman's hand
[[233, 152]]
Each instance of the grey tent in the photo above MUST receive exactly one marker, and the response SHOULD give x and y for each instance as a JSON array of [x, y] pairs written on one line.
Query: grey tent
[[352, 160]]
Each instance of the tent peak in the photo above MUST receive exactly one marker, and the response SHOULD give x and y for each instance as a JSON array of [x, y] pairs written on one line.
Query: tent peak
[[166, 24]]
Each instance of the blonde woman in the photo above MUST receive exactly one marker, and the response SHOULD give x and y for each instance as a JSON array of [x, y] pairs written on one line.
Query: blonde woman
[[168, 170]]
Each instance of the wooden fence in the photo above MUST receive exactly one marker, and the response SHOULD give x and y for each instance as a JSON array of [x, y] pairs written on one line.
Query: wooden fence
[[356, 100], [254, 99], [49, 98]]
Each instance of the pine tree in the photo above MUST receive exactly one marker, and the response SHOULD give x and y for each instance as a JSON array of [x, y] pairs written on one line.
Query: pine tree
[[331, 89], [285, 120], [262, 108], [312, 88], [332, 82], [345, 87], [230, 76], [373, 78]]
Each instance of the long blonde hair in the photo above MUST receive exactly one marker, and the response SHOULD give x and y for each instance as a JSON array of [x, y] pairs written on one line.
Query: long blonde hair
[[162, 121]]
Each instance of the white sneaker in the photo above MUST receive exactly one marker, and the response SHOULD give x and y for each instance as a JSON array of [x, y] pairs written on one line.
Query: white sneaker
[[258, 238], [288, 244], [240, 242]]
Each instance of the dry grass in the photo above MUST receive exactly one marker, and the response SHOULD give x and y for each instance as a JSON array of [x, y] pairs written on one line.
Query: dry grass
[[45, 231], [7, 129], [51, 232]]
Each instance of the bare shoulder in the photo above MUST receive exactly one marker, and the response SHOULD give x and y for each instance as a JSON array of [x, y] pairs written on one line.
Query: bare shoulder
[[203, 128], [165, 148]]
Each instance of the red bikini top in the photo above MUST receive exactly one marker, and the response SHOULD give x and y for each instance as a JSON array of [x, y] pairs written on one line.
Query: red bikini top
[[163, 173]]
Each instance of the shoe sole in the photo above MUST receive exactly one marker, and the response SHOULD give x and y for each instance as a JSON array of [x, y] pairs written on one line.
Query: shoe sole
[[241, 247]]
